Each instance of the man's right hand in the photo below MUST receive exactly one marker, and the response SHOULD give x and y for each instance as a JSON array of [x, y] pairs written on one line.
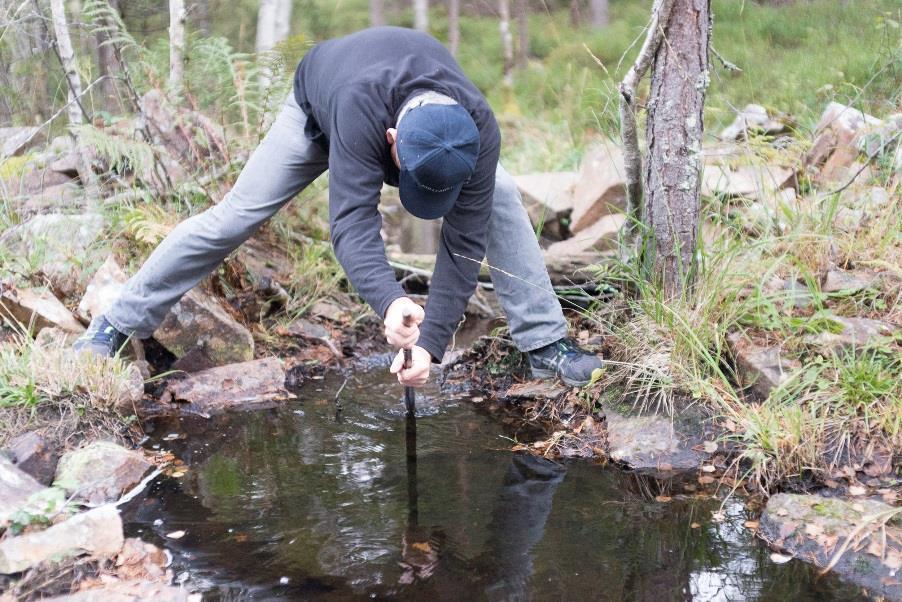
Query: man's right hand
[[398, 335]]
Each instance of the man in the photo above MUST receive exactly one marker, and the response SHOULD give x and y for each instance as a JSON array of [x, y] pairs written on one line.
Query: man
[[381, 105]]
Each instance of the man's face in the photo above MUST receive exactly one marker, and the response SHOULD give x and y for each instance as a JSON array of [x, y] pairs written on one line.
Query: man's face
[[391, 136]]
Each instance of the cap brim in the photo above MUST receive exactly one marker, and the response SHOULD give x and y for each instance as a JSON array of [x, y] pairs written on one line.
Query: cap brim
[[423, 203]]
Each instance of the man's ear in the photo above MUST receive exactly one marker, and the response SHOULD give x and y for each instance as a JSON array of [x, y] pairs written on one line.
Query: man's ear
[[391, 134]]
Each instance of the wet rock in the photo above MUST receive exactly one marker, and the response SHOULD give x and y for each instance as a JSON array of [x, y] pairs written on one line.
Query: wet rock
[[329, 310], [59, 197], [548, 198], [34, 454], [16, 486], [34, 181], [835, 149], [17, 140], [536, 390], [141, 560], [601, 188], [855, 334], [249, 385], [199, 321], [600, 236], [61, 244], [130, 591], [100, 472], [755, 182], [305, 329], [753, 118], [37, 309], [648, 443], [848, 281], [813, 528], [761, 368], [97, 532], [66, 165]]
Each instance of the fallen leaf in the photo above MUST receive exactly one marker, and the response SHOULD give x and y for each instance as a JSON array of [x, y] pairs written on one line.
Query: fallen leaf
[[519, 447], [176, 535], [718, 516], [780, 558], [710, 447], [171, 437], [857, 490], [751, 524], [706, 480], [831, 483], [695, 525], [540, 444], [663, 498], [421, 547], [708, 468], [178, 474]]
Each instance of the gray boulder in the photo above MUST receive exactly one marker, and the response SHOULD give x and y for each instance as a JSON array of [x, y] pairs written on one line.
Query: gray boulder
[[100, 472], [34, 454]]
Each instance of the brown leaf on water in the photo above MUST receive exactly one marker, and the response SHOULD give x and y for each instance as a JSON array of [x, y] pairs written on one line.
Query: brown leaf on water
[[708, 468], [663, 498], [751, 524], [706, 480], [519, 447], [423, 547], [695, 525]]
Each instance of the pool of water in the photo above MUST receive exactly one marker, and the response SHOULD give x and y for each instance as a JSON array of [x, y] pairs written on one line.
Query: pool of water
[[302, 502]]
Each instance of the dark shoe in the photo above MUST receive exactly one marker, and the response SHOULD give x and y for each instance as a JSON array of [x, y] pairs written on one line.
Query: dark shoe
[[101, 338], [566, 360]]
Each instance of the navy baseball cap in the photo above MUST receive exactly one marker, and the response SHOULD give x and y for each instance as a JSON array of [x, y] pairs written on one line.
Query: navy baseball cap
[[438, 145]]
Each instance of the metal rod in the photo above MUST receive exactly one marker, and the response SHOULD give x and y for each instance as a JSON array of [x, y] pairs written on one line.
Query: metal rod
[[410, 396]]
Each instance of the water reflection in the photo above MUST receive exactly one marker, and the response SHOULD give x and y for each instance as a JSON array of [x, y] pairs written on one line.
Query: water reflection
[[286, 505]]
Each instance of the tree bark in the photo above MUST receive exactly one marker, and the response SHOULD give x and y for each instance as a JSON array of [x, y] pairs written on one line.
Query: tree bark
[[421, 15], [266, 25], [598, 13], [176, 47], [283, 20], [377, 13], [67, 58], [522, 8], [453, 26], [108, 66], [674, 126], [507, 42]]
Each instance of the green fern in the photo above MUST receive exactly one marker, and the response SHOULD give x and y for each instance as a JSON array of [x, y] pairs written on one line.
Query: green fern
[[120, 154]]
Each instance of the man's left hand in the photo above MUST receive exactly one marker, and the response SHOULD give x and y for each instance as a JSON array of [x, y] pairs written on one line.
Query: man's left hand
[[418, 372]]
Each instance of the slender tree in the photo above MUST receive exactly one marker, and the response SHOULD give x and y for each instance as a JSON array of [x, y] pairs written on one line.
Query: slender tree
[[176, 46], [421, 15], [377, 13], [453, 26], [522, 8], [67, 58], [676, 48], [273, 24], [598, 13], [283, 19], [507, 41], [107, 64]]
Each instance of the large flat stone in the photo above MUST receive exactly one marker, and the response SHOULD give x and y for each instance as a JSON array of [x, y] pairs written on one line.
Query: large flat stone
[[100, 472], [835, 147], [102, 290], [755, 182], [199, 321], [753, 118], [134, 590], [17, 140], [856, 333], [97, 532], [601, 188], [15, 488], [600, 236], [37, 308], [249, 385], [548, 198], [34, 454], [649, 443], [812, 528]]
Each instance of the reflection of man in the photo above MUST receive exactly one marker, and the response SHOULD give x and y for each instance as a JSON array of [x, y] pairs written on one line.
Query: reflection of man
[[381, 105]]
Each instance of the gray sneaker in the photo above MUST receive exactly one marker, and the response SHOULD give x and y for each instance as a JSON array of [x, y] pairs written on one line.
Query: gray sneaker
[[101, 338], [566, 360]]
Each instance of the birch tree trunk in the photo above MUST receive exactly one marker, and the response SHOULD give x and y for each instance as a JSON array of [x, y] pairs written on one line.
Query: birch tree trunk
[[523, 32], [507, 42], [453, 26], [679, 79], [266, 25], [176, 47], [421, 15], [283, 20], [377, 13], [67, 58], [598, 13]]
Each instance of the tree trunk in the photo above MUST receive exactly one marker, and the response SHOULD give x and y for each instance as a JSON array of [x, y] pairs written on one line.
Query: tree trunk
[[421, 15], [507, 42], [576, 18], [266, 25], [176, 46], [377, 13], [67, 58], [598, 13], [202, 18], [283, 20], [522, 8], [679, 80], [453, 26], [106, 60]]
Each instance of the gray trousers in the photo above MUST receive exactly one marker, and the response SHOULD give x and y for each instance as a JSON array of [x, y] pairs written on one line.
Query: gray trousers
[[284, 164]]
